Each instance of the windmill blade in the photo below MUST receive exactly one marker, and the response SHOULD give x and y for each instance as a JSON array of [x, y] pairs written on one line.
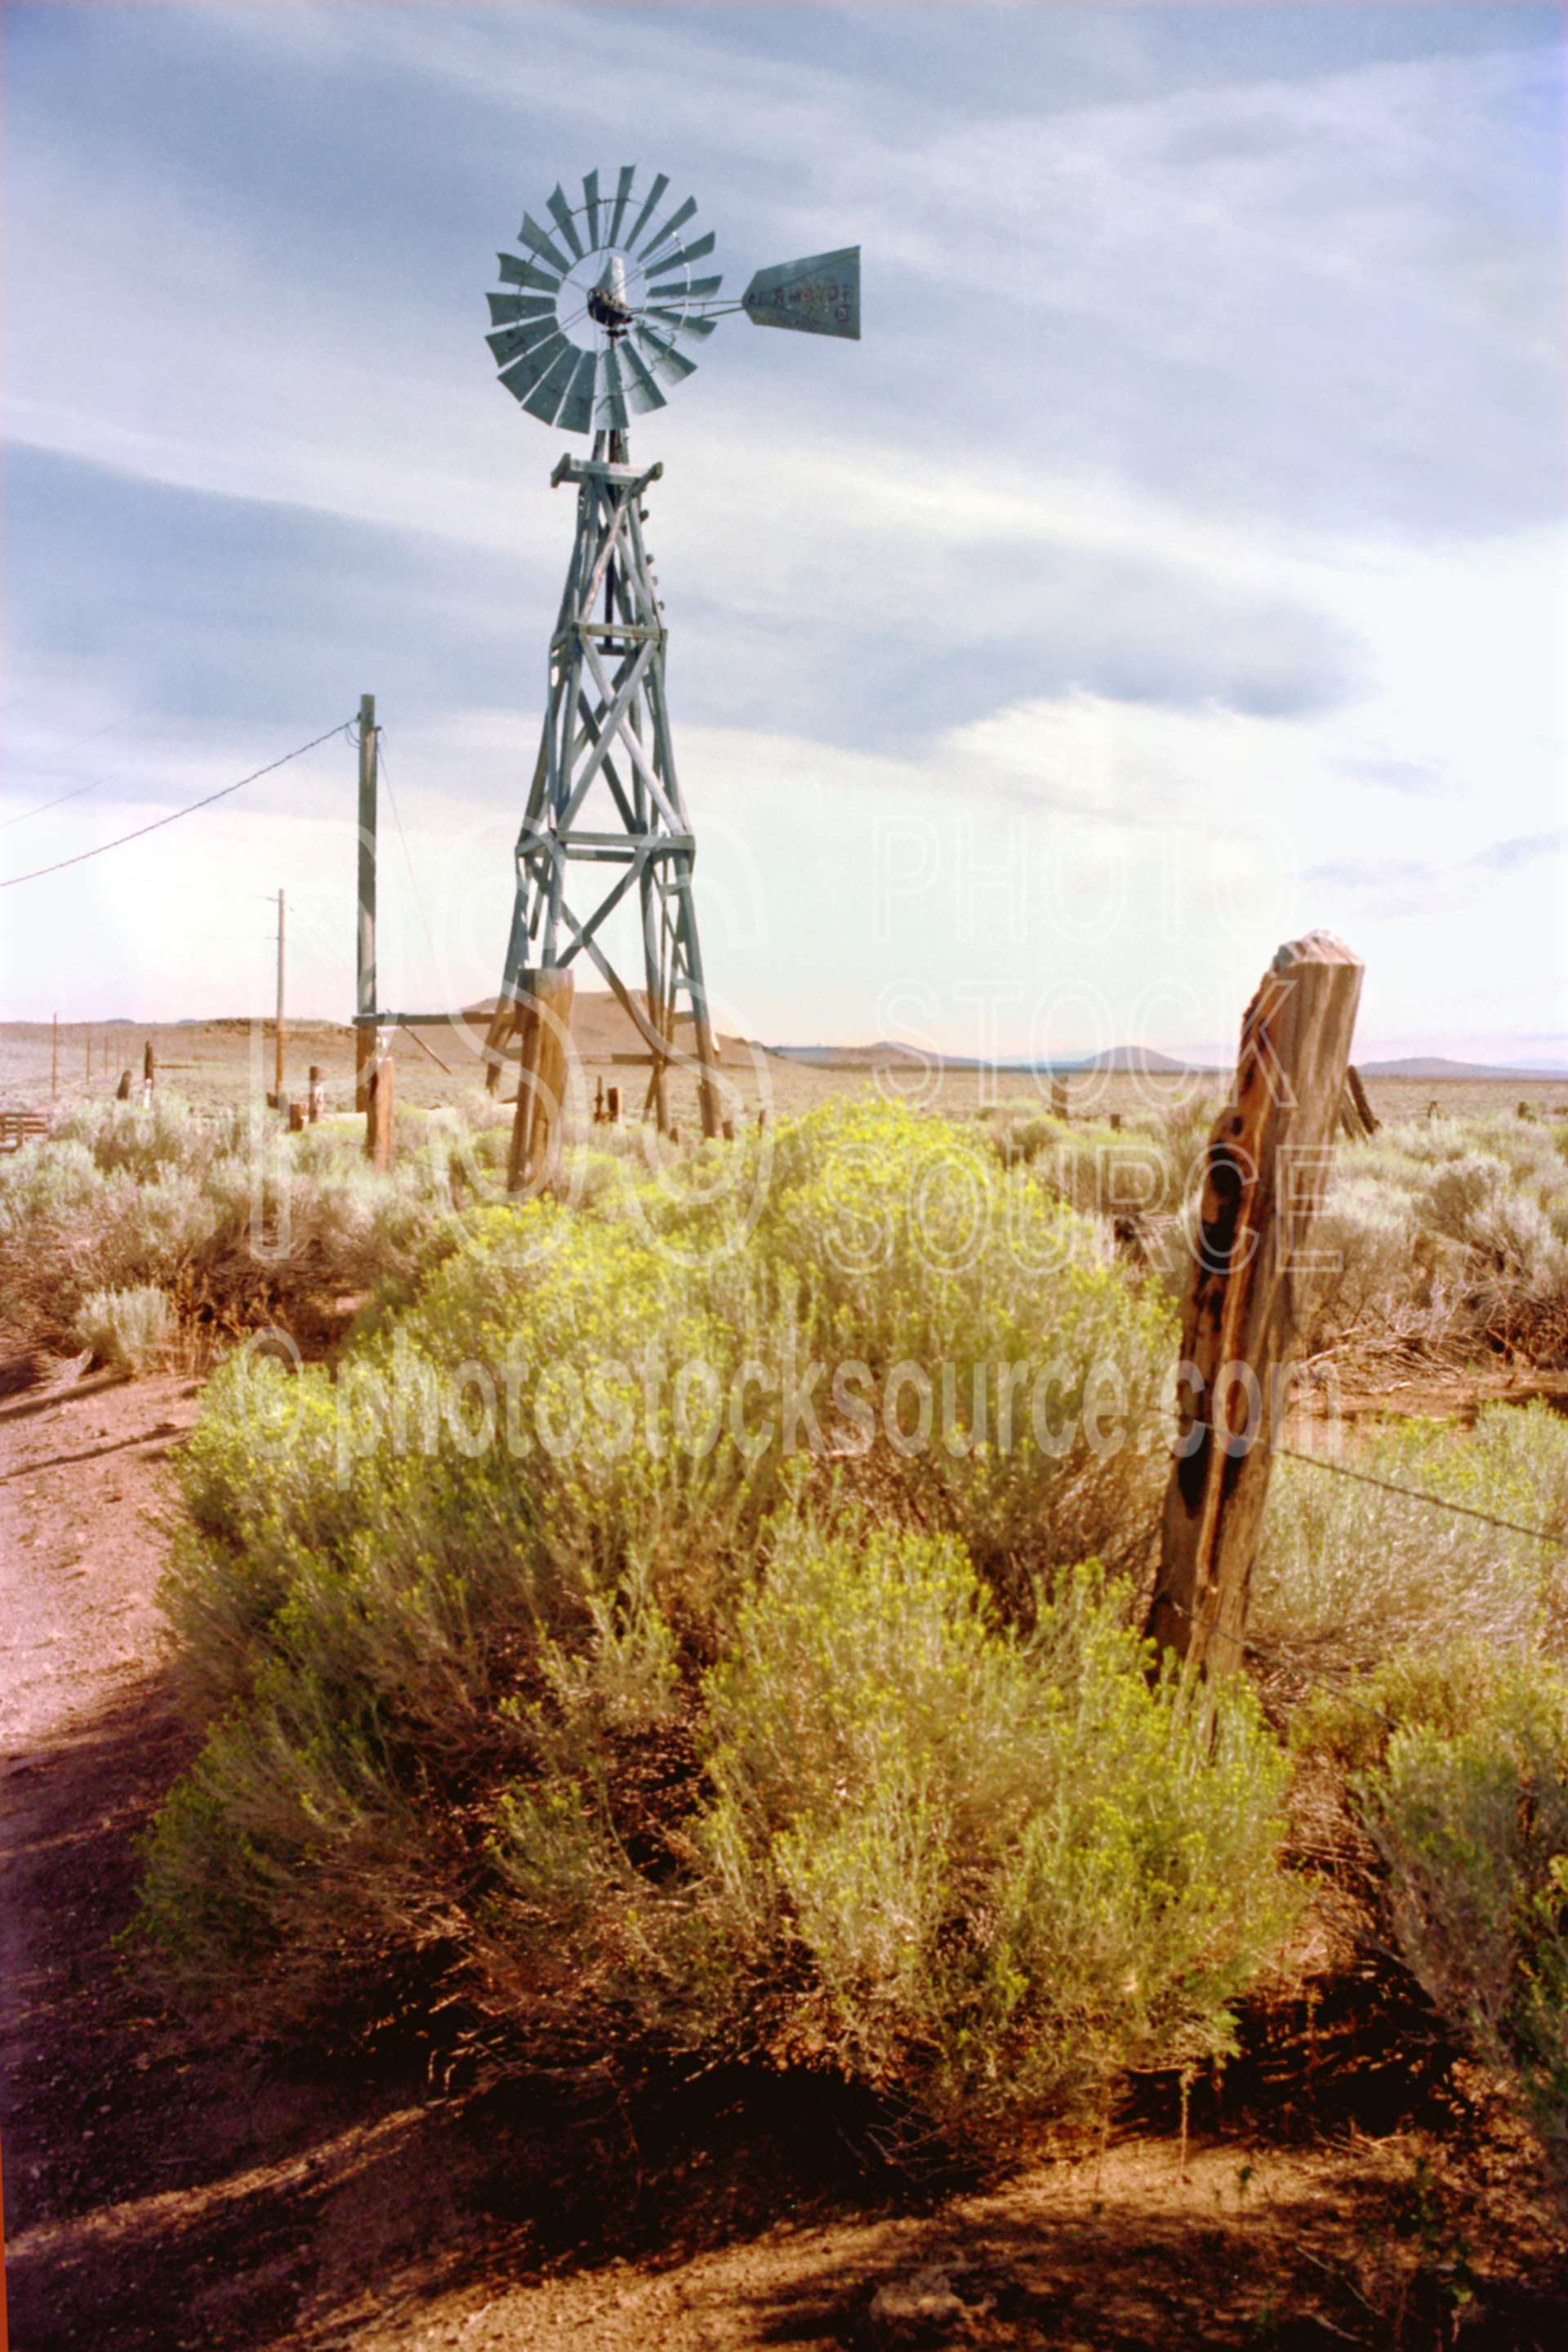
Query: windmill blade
[[642, 393], [698, 290], [818, 296], [506, 310], [623, 197], [539, 241], [591, 207], [559, 211], [510, 342], [666, 359], [612, 407], [661, 181], [523, 273], [698, 248], [577, 409], [677, 219], [550, 390], [685, 323], [524, 374]]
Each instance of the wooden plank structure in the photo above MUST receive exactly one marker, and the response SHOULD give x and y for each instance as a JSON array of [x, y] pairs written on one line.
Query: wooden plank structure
[[1263, 1180], [606, 734], [18, 1126]]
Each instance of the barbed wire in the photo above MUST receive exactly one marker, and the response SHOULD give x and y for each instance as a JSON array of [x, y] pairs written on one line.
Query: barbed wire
[[1559, 1542]]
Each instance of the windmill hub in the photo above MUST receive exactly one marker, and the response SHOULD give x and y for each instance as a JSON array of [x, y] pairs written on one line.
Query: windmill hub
[[584, 343], [608, 304]]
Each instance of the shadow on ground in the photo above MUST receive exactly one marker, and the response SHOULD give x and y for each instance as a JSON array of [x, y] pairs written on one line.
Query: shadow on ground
[[168, 2191]]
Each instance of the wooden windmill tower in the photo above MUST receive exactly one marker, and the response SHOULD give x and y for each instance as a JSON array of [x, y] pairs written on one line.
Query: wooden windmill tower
[[599, 312]]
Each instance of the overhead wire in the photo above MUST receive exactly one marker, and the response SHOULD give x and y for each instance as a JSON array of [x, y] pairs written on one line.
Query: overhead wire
[[383, 769], [138, 833]]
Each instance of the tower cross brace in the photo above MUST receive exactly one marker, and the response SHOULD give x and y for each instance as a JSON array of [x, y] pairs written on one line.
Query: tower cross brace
[[606, 750]]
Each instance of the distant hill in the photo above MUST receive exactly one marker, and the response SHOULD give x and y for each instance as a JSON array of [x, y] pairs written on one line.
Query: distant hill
[[1433, 1066], [881, 1054], [1145, 1062]]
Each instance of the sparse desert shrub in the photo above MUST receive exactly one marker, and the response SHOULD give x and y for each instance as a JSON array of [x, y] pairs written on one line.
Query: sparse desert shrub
[[1368, 1229], [1348, 1572], [1488, 1204], [1004, 1368], [1012, 1864], [130, 1330], [1462, 1781], [224, 1211], [392, 1610], [881, 1834]]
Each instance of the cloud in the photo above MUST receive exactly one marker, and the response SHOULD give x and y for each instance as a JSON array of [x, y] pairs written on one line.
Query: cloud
[[1197, 475], [1421, 778], [233, 612], [1524, 849], [1416, 884]]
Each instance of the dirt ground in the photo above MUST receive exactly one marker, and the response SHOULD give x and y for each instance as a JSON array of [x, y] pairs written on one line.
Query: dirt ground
[[170, 2187]]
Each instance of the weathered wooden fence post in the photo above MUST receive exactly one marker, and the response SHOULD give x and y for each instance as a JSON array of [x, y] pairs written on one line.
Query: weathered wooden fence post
[[544, 1033], [612, 1103], [1263, 1185], [317, 1097], [380, 1095]]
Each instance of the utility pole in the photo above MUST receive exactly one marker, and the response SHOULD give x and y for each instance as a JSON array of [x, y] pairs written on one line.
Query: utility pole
[[364, 933], [277, 1055]]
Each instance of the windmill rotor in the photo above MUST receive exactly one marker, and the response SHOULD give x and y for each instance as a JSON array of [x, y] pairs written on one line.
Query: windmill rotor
[[601, 307]]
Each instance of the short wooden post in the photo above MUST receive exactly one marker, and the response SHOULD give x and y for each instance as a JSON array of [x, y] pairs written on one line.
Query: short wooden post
[[1263, 1185], [318, 1093], [1114, 1122], [727, 1131], [544, 1033], [296, 1118], [380, 1091], [599, 1102], [149, 1068], [613, 1100], [675, 1135], [1431, 1112], [123, 1091]]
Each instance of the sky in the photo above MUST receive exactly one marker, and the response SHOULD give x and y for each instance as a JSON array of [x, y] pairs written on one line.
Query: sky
[[1177, 564]]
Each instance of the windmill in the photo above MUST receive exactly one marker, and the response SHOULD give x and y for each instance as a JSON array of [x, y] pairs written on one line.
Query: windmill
[[599, 312]]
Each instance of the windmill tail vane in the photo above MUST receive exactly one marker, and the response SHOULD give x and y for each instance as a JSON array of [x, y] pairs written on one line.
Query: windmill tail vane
[[601, 309]]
